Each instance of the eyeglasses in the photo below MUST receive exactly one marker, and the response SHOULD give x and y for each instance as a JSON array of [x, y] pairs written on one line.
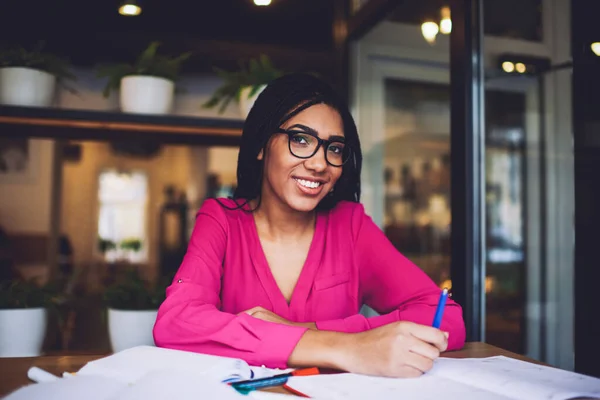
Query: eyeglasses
[[306, 144]]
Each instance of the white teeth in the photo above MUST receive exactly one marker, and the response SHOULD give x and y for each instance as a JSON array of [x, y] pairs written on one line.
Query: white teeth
[[309, 184]]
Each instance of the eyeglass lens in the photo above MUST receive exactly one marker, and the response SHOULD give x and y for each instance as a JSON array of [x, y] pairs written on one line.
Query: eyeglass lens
[[304, 145]]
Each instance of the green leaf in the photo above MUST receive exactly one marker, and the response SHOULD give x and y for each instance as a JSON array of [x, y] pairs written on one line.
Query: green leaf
[[149, 62], [256, 73], [134, 293], [26, 294], [36, 59]]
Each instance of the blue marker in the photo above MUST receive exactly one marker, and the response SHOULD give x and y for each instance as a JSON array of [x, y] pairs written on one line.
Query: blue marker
[[437, 320]]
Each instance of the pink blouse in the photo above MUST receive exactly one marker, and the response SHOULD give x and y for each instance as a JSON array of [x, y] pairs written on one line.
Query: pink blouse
[[350, 262]]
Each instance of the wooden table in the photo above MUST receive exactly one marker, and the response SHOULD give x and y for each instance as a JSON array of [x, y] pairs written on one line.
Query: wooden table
[[13, 371]]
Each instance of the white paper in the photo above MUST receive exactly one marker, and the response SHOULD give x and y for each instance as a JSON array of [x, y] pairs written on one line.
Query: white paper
[[352, 386], [156, 385], [76, 388], [263, 372], [161, 385], [518, 379], [130, 365], [261, 395], [494, 378]]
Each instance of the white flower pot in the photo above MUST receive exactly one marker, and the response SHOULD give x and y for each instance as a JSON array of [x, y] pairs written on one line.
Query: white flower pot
[[26, 87], [22, 332], [129, 328], [246, 102], [147, 95]]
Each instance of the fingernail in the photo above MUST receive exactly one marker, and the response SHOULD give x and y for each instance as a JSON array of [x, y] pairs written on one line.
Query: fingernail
[[447, 334]]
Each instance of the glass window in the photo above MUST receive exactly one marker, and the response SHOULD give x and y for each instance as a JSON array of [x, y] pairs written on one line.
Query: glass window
[[529, 186], [514, 19], [505, 208], [417, 173], [122, 216]]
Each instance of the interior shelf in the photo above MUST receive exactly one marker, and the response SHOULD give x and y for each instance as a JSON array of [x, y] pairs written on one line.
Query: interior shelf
[[71, 124]]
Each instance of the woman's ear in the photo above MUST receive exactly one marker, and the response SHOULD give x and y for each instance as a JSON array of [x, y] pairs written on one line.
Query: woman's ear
[[259, 157]]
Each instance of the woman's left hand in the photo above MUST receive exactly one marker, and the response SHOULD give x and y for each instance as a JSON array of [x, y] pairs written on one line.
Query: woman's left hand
[[269, 316]]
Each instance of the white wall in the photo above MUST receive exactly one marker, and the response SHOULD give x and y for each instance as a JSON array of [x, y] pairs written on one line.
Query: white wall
[[25, 201], [223, 161]]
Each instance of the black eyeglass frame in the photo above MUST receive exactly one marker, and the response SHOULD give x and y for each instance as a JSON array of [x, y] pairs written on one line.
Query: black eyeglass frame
[[320, 143]]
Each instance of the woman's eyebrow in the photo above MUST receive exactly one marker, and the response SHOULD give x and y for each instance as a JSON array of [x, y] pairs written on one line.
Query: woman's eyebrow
[[314, 132], [305, 128]]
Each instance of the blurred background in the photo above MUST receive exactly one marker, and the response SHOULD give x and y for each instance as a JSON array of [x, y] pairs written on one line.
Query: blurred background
[[103, 169]]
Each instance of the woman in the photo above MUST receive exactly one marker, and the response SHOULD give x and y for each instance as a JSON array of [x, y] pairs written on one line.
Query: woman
[[277, 275]]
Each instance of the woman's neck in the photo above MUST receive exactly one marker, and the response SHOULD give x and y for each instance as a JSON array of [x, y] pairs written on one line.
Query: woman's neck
[[277, 222]]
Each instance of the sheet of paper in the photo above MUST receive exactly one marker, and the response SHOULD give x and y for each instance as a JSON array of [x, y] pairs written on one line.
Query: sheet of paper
[[352, 386], [263, 395], [517, 379], [76, 388], [132, 364], [262, 372], [156, 385], [161, 385]]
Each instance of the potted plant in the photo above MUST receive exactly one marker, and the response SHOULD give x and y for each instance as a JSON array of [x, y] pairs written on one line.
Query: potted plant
[[106, 245], [244, 85], [29, 78], [132, 305], [148, 85], [23, 317]]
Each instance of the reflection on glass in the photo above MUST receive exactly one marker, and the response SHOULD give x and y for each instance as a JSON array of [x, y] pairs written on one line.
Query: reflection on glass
[[357, 5], [505, 208], [417, 174], [514, 19]]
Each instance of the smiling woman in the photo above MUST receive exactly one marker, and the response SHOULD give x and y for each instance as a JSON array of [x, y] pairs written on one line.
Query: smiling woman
[[277, 274]]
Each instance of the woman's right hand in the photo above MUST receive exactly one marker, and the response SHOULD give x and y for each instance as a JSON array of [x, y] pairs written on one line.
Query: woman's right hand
[[401, 350]]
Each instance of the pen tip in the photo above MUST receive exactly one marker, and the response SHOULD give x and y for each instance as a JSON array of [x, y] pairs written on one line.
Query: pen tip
[[445, 291]]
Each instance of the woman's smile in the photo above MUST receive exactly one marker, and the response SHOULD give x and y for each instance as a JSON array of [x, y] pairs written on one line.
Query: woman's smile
[[311, 187]]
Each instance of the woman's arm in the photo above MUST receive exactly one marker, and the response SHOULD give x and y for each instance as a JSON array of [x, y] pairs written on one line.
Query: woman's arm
[[400, 349], [393, 286], [190, 319]]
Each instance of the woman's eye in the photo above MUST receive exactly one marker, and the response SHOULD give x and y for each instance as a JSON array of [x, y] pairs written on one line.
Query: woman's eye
[[300, 139], [336, 149]]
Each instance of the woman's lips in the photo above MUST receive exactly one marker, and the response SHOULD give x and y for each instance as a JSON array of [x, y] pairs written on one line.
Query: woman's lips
[[309, 187]]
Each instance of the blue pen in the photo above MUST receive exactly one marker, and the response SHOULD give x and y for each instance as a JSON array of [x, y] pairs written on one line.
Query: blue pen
[[277, 380], [437, 320]]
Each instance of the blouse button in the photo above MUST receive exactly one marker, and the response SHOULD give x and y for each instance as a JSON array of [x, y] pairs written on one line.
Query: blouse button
[[179, 280]]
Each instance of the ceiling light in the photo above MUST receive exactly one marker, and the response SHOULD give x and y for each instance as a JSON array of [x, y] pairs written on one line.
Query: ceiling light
[[130, 8], [508, 67], [520, 67], [596, 48], [430, 31], [446, 22], [262, 2]]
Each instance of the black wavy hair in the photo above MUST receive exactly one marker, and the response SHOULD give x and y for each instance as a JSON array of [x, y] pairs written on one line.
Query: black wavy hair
[[281, 100]]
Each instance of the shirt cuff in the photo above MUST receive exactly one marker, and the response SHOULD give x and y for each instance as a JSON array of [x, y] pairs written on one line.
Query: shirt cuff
[[353, 324], [277, 341]]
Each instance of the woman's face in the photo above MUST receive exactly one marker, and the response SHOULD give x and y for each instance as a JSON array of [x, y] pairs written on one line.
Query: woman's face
[[301, 184]]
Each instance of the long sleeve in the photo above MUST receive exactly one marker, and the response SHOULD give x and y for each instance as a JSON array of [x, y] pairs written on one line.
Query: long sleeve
[[190, 318], [393, 286]]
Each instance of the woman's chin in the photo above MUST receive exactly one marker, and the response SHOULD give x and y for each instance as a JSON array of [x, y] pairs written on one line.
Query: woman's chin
[[303, 203]]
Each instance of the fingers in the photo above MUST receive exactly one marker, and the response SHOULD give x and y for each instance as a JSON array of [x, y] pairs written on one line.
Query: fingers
[[423, 349], [418, 362], [430, 335], [407, 371], [253, 310]]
